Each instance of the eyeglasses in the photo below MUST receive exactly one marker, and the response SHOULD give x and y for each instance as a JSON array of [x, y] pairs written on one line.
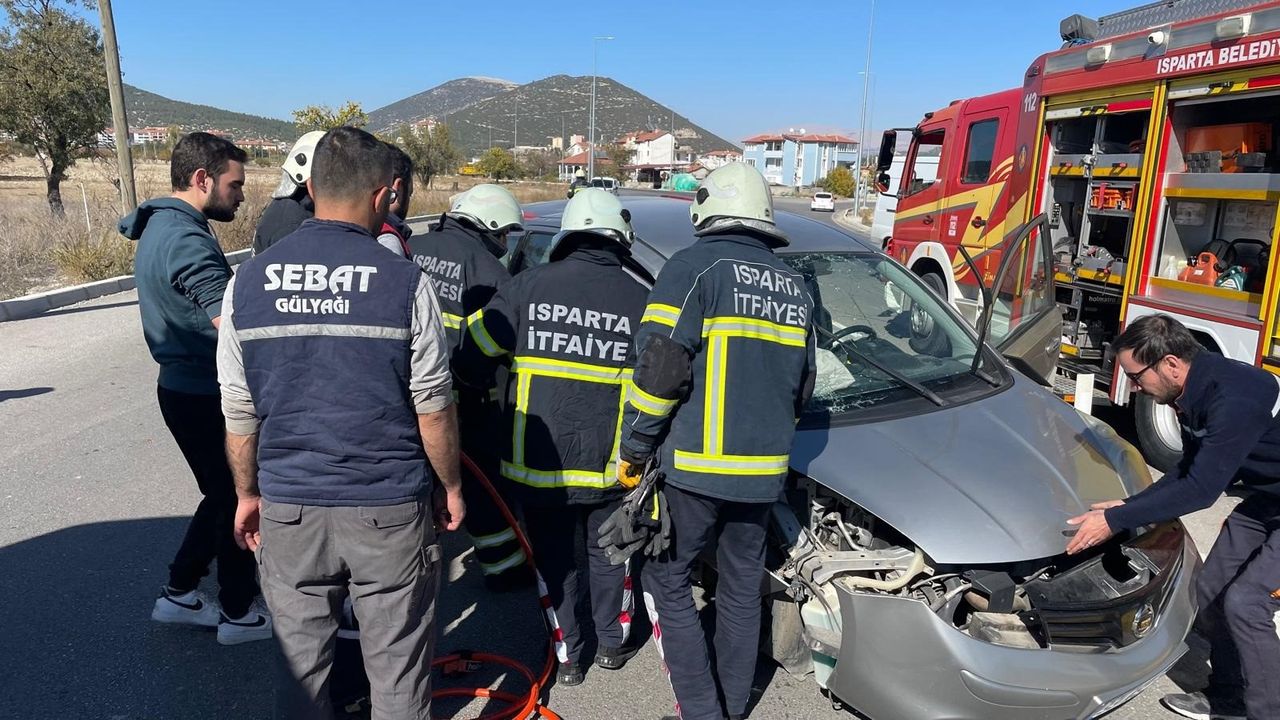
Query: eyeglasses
[[1136, 377]]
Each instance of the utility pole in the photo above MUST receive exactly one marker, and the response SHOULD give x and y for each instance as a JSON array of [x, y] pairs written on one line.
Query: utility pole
[[111, 51], [859, 190]]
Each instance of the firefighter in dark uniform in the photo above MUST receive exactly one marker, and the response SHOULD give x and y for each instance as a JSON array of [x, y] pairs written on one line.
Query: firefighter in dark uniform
[[291, 204], [461, 257], [725, 364], [566, 329], [579, 182]]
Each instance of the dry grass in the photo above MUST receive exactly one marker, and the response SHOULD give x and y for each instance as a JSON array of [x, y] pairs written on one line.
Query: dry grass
[[40, 252], [436, 199]]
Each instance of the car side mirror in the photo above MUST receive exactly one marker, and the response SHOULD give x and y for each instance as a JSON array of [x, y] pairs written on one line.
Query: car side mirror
[[882, 183]]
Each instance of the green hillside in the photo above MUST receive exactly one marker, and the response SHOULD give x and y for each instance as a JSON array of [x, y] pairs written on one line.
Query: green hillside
[[147, 109]]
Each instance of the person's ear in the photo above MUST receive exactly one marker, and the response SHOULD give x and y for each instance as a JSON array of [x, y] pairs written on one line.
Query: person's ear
[[199, 178], [310, 192]]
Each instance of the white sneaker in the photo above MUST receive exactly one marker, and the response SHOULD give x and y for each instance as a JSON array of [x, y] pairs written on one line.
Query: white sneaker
[[255, 625], [189, 608]]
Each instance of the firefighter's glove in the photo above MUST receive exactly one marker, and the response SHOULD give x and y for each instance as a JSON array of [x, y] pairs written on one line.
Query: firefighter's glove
[[623, 533], [660, 522], [629, 473]]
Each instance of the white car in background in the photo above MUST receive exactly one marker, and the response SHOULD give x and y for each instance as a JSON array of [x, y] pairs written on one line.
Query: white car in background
[[823, 201], [605, 183]]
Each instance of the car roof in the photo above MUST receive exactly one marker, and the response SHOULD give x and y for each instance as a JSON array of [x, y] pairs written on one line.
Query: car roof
[[662, 223]]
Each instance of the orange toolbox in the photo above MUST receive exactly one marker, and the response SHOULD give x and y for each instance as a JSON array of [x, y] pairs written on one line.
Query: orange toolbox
[[1232, 140]]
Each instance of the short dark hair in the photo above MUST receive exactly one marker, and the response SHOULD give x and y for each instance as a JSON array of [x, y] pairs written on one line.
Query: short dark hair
[[349, 163], [199, 150], [1153, 337], [401, 164]]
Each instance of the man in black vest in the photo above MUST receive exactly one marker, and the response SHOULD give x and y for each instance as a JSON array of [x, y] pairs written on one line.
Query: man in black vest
[[336, 388]]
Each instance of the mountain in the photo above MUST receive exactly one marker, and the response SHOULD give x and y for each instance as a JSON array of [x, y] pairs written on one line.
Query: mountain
[[439, 101], [559, 106], [147, 109]]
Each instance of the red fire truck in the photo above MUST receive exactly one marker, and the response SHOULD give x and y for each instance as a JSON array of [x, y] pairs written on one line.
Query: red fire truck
[[1134, 172]]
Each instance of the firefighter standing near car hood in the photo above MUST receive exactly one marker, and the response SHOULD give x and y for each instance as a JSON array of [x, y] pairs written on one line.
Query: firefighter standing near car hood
[[725, 364], [461, 257], [566, 328]]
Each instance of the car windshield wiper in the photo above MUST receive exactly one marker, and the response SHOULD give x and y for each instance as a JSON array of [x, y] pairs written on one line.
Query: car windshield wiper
[[901, 379], [977, 371]]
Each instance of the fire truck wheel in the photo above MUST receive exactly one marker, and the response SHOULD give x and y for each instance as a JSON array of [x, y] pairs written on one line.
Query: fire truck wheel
[[1159, 433], [926, 337]]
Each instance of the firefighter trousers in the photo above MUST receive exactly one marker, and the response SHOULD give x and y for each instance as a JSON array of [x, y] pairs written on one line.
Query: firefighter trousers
[[738, 531], [497, 549], [554, 533]]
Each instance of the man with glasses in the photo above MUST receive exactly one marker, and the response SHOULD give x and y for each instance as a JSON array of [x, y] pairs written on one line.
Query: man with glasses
[[395, 232], [1228, 412]]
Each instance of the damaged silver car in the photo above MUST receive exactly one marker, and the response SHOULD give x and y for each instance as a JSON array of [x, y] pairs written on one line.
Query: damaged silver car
[[916, 563]]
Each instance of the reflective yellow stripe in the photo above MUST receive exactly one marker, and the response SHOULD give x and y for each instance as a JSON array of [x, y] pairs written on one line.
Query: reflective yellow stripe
[[661, 314], [494, 540], [475, 325], [451, 321], [646, 403], [731, 464], [557, 478], [755, 329], [510, 561], [569, 370], [713, 423], [518, 423]]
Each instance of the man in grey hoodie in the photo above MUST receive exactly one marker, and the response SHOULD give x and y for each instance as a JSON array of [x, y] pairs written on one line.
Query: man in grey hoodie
[[181, 275]]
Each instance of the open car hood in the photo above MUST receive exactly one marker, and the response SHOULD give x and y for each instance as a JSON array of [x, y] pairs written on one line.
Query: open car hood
[[990, 481]]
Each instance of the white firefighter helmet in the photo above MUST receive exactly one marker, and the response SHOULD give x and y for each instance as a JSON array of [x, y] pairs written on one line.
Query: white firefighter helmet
[[735, 196], [490, 208], [598, 211], [301, 157]]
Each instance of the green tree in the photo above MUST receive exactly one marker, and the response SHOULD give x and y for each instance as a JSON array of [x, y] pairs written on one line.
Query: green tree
[[839, 182], [498, 163], [618, 156], [53, 86], [323, 117], [432, 151]]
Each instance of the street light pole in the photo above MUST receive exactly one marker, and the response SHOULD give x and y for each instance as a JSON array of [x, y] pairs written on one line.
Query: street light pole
[[860, 190], [591, 142]]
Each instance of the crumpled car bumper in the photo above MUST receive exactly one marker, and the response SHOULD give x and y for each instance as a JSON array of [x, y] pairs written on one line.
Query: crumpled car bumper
[[900, 660]]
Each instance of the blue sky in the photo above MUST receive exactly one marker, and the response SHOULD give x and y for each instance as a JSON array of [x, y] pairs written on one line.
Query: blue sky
[[736, 68]]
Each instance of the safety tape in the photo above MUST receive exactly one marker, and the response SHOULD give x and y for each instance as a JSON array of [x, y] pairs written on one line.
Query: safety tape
[[755, 329], [569, 370], [661, 314], [451, 321], [486, 343], [514, 559], [647, 403], [557, 478], [494, 540], [731, 464]]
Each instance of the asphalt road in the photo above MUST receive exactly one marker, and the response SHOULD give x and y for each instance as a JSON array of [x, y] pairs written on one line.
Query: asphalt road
[[93, 500]]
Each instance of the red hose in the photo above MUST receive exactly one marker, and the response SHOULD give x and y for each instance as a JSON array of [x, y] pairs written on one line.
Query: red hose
[[522, 706]]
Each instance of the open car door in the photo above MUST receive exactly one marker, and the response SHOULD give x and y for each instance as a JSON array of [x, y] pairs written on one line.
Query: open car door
[[1022, 319]]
